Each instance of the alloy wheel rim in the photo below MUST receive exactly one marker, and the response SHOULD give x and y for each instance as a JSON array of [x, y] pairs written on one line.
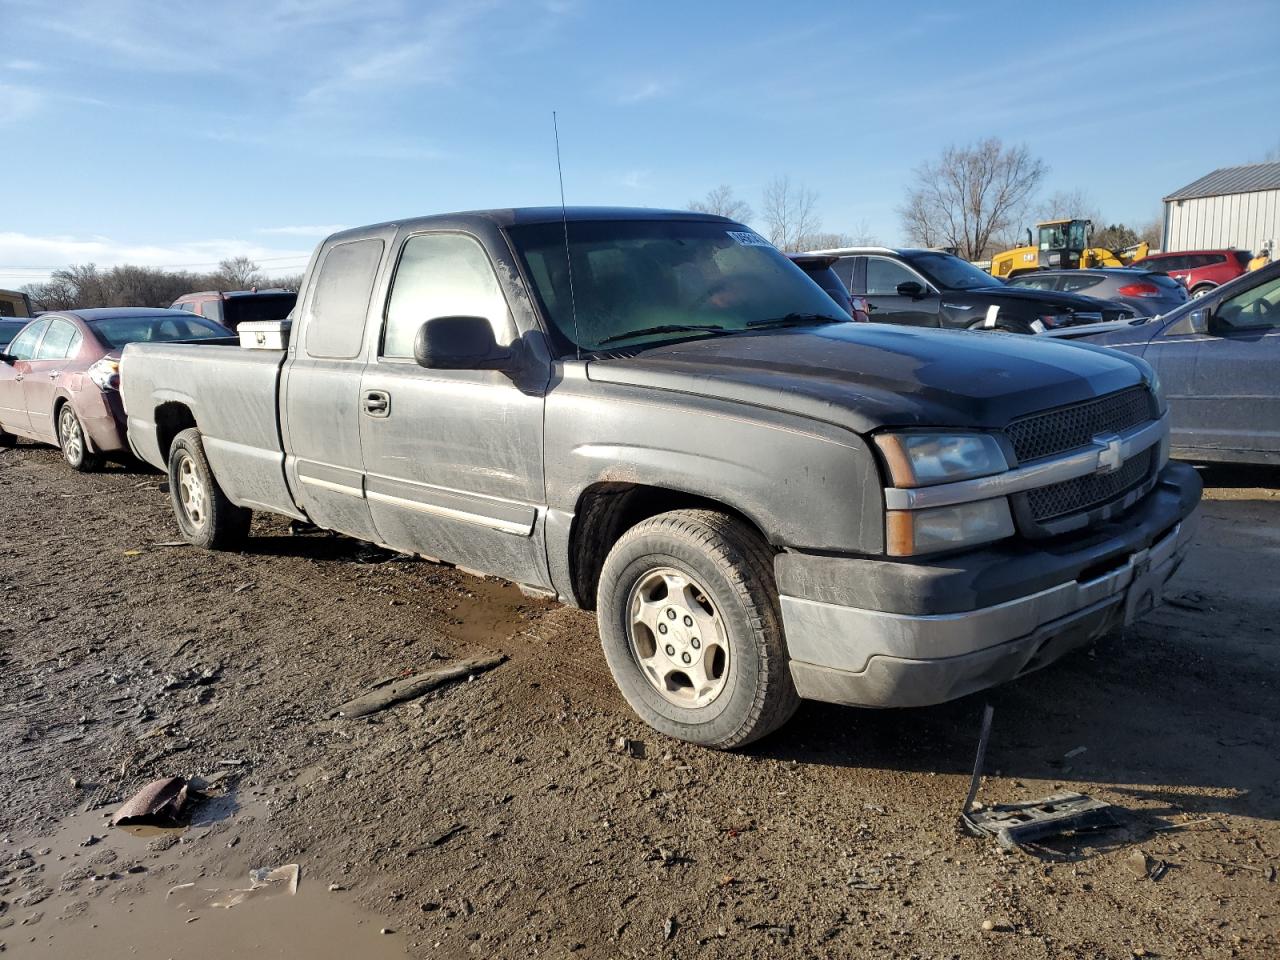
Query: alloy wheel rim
[[191, 493], [678, 637], [71, 436]]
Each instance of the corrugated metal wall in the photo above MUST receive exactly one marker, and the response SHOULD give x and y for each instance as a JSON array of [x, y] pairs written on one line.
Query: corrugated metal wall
[[1243, 220]]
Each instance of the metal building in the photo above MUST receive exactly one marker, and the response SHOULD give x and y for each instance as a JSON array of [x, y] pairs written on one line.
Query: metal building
[[1232, 207]]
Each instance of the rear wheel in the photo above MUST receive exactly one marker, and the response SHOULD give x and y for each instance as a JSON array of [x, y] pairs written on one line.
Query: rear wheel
[[691, 628], [73, 443], [1201, 290], [205, 516], [8, 439]]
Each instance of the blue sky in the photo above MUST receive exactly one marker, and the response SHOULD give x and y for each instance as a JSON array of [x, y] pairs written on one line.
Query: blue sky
[[177, 132]]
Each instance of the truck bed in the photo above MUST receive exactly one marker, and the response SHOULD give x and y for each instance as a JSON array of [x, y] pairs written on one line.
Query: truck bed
[[231, 393]]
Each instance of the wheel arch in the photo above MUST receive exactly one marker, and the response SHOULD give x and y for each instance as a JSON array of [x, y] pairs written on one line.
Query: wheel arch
[[171, 418], [607, 509]]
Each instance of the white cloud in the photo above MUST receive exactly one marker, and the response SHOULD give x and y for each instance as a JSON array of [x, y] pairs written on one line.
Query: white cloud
[[18, 103], [27, 258], [636, 179], [304, 230], [648, 90]]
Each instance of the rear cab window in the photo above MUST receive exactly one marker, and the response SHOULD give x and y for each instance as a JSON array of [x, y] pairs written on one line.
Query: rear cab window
[[338, 307]]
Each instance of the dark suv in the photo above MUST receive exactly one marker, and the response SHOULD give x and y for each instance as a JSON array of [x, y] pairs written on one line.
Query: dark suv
[[234, 307], [928, 288]]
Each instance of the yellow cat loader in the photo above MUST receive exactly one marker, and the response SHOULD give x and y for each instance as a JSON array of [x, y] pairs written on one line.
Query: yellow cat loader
[[1064, 245]]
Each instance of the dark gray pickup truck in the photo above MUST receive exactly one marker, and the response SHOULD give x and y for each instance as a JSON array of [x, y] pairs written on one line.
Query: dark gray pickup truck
[[658, 416]]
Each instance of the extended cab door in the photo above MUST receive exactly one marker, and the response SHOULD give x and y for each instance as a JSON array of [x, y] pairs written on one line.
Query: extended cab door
[[320, 411], [883, 276], [453, 458]]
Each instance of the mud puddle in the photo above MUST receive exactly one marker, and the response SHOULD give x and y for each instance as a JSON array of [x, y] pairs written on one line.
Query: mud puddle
[[156, 893]]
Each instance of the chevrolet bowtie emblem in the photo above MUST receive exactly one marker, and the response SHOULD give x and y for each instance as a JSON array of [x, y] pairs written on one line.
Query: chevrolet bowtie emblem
[[1110, 453]]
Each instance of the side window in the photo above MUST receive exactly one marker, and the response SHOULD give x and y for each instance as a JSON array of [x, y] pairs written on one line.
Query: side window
[[211, 310], [58, 341], [1080, 282], [883, 277], [335, 315], [24, 344], [1168, 264], [1033, 282], [442, 275], [844, 270], [1254, 309]]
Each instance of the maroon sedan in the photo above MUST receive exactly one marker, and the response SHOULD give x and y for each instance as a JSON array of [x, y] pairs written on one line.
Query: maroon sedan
[[60, 376]]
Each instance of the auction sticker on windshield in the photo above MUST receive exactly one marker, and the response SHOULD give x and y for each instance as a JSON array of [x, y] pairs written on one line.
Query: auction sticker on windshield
[[748, 238]]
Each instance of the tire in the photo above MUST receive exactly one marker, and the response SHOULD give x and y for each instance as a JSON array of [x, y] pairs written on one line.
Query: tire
[[205, 516], [73, 443], [1201, 290], [708, 579], [7, 440]]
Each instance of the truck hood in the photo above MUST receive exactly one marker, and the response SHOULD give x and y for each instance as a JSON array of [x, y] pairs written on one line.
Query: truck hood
[[865, 376]]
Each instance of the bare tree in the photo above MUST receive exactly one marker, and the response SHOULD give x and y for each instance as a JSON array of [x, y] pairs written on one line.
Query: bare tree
[[859, 236], [723, 203], [1069, 205], [291, 282], [789, 213], [238, 273], [970, 194]]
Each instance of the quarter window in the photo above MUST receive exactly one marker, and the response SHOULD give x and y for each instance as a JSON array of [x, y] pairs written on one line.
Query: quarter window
[[442, 275], [1080, 282], [883, 277], [24, 344], [336, 314]]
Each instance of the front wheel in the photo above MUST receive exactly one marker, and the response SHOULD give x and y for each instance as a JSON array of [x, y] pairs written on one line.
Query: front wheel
[[205, 516], [73, 444], [691, 628]]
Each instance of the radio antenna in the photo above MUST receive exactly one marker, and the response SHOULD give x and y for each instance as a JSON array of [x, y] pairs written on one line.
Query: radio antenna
[[564, 219]]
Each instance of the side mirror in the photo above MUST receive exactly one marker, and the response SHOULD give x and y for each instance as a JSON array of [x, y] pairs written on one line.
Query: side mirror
[[912, 289], [1198, 320], [8, 358], [459, 343]]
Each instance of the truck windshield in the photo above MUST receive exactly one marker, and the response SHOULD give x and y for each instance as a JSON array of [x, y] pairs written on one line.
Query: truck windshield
[[643, 281], [115, 332]]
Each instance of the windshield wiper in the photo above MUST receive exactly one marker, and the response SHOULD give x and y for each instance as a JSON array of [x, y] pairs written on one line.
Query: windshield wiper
[[795, 320], [666, 328]]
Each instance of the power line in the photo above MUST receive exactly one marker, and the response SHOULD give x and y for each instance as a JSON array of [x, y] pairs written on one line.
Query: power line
[[157, 266]]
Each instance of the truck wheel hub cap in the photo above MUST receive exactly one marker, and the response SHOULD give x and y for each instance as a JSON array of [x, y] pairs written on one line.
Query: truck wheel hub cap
[[678, 637], [191, 492]]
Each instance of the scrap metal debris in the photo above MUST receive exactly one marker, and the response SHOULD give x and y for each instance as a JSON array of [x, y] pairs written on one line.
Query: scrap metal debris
[[416, 686], [162, 799], [1014, 825], [264, 882]]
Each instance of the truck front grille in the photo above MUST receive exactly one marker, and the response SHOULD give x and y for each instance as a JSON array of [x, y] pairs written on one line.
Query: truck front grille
[[1069, 428], [1085, 493]]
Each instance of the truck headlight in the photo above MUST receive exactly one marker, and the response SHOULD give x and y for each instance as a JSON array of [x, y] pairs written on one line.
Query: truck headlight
[[1157, 391], [923, 459], [912, 532]]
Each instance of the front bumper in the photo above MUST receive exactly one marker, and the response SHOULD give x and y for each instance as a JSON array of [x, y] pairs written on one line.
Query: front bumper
[[912, 634]]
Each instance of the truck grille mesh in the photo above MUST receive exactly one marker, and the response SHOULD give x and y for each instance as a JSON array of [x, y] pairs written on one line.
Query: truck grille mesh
[[1084, 493], [1045, 434]]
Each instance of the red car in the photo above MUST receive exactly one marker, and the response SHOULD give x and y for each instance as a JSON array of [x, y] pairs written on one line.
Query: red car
[[60, 376], [1199, 270]]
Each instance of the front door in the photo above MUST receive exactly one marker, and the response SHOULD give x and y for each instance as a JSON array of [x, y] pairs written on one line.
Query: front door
[[41, 380], [889, 306], [1235, 402], [13, 405], [322, 392], [453, 458]]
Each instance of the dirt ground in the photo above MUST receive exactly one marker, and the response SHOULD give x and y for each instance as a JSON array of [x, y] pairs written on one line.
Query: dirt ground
[[496, 818]]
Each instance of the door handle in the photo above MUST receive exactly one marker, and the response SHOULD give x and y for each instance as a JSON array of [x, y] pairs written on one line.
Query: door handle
[[18, 377], [55, 375], [376, 403]]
